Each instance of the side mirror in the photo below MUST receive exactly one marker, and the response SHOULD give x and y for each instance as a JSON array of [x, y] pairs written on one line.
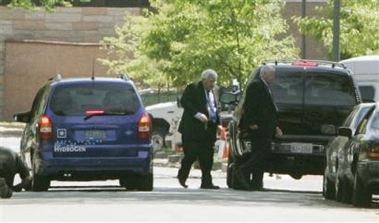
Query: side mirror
[[344, 131], [22, 117]]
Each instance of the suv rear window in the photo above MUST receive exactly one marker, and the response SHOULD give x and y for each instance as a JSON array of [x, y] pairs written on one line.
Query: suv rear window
[[313, 88], [81, 98]]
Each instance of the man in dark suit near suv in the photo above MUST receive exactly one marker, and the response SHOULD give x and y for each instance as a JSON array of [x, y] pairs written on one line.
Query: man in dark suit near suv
[[198, 126], [260, 123]]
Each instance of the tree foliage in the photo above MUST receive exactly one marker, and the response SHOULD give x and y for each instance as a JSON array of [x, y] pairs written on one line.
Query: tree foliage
[[180, 38], [33, 4], [359, 27]]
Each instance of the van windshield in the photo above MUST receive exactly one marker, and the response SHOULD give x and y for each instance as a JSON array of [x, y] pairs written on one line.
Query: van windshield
[[313, 89], [79, 99]]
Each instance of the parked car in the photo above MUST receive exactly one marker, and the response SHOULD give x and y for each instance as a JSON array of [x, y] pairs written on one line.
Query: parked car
[[358, 167], [335, 185], [88, 129], [313, 98], [165, 119]]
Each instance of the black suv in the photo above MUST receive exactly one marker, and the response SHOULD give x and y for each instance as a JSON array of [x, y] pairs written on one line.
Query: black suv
[[88, 129], [313, 99]]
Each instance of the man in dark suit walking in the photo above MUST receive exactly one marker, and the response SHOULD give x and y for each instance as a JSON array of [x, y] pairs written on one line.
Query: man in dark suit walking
[[198, 126], [260, 123]]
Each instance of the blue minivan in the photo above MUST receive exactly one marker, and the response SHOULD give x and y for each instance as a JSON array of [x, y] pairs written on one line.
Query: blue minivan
[[83, 129]]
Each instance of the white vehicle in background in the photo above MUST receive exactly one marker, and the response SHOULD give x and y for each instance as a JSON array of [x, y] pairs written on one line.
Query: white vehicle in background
[[165, 118], [366, 73]]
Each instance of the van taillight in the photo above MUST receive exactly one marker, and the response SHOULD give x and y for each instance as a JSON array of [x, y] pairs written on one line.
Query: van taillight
[[144, 127], [45, 127]]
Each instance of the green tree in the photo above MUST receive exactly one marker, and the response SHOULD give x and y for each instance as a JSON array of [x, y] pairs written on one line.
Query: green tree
[[359, 27], [183, 37], [32, 4]]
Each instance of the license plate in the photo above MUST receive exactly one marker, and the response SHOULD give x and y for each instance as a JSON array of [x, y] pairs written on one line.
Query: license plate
[[301, 148], [95, 135]]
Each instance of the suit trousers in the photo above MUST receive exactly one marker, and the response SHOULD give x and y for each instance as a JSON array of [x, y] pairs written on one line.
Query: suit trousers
[[257, 160], [201, 150]]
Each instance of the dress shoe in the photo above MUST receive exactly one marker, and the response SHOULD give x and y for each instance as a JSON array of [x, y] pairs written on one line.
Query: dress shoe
[[257, 186], [182, 182], [211, 186]]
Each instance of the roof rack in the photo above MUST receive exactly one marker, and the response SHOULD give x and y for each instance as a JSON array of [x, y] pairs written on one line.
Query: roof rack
[[124, 76], [57, 77], [319, 62]]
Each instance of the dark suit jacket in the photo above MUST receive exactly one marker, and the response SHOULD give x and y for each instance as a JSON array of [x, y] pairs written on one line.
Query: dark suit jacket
[[193, 101], [10, 165], [259, 108]]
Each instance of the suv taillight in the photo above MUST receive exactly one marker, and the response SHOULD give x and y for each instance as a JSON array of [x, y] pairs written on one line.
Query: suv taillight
[[45, 128], [305, 63], [144, 127]]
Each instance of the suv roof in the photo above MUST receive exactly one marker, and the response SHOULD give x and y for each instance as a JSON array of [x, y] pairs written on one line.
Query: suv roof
[[307, 63]]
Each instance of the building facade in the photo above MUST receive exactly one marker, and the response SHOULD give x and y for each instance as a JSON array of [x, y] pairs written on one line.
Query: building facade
[[35, 45]]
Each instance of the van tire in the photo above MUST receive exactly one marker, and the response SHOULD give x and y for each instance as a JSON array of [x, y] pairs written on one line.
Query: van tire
[[39, 182]]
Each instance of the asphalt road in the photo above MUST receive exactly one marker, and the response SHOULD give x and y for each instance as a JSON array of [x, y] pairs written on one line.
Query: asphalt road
[[284, 199]]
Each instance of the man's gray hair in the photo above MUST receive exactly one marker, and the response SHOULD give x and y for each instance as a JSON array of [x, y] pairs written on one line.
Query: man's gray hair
[[209, 73], [267, 69]]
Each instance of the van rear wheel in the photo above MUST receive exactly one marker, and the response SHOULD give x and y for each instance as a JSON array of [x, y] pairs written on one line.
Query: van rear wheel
[[141, 182], [39, 182]]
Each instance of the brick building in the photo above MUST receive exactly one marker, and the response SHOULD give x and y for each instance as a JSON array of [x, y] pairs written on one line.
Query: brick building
[[35, 45]]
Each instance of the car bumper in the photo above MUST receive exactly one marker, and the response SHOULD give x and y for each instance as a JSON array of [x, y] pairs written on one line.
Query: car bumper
[[297, 158], [92, 168], [296, 164]]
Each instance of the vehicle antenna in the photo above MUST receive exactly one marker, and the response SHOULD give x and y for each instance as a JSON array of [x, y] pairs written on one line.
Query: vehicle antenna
[[93, 69]]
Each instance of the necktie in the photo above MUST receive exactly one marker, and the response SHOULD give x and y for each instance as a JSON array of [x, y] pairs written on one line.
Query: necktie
[[211, 107]]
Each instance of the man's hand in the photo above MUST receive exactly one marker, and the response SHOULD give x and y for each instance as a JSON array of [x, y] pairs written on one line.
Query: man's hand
[[253, 127], [219, 129], [201, 117]]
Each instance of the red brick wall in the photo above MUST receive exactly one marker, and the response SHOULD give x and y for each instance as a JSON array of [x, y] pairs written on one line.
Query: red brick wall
[[31, 63]]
